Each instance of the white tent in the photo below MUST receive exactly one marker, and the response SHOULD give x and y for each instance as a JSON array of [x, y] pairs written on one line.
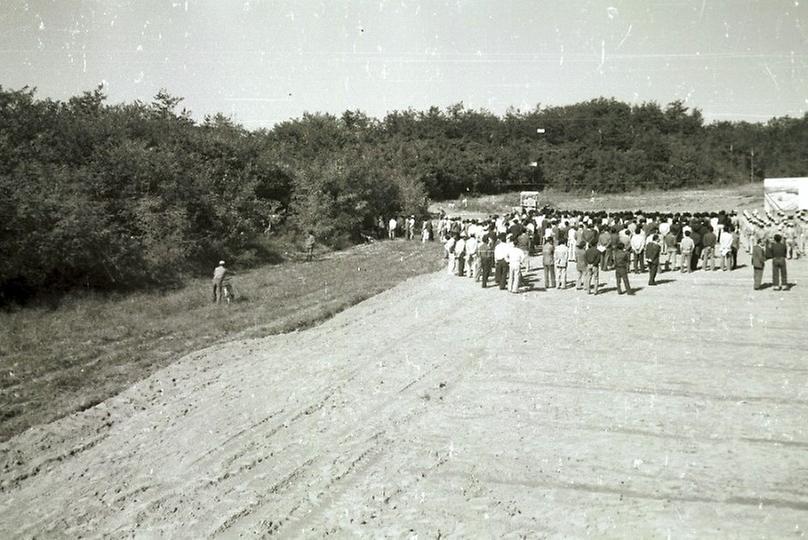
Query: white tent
[[785, 194]]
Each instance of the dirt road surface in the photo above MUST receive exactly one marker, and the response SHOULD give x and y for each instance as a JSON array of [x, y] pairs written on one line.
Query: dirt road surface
[[439, 409]]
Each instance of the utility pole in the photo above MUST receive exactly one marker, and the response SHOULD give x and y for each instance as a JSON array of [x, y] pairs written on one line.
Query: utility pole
[[752, 167], [538, 174]]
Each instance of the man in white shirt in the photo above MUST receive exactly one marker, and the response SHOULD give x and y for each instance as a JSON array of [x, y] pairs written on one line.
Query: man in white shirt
[[460, 254], [637, 243], [501, 263], [571, 239], [391, 228], [449, 245], [515, 259], [472, 265], [219, 275], [561, 259], [725, 244], [664, 229], [686, 246], [502, 228]]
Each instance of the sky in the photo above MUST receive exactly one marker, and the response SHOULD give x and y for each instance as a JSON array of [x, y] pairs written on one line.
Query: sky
[[265, 61]]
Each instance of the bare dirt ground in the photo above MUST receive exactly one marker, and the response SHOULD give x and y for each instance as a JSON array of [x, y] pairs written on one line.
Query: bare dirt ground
[[440, 409]]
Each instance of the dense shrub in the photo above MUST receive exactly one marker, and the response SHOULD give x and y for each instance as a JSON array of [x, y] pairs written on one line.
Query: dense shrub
[[132, 195]]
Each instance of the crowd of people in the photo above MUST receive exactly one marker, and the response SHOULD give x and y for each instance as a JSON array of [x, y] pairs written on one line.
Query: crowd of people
[[403, 227], [500, 247]]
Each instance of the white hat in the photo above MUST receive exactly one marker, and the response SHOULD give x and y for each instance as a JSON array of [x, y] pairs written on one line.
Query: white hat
[[221, 263]]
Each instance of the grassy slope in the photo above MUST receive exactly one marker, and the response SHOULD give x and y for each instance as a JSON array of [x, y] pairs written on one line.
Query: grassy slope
[[746, 196], [54, 362]]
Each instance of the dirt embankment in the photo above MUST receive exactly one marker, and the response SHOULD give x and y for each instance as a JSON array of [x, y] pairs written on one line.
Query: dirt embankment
[[437, 408], [54, 362]]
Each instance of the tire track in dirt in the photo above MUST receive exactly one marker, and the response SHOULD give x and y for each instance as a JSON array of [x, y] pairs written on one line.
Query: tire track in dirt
[[394, 412], [438, 391]]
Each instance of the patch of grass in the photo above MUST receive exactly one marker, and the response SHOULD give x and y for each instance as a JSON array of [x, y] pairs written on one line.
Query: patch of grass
[[56, 361], [710, 199]]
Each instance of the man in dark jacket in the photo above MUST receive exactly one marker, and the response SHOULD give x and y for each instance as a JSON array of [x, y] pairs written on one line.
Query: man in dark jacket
[[592, 258], [652, 251], [777, 253], [696, 236], [590, 236], [758, 262], [548, 263], [580, 264], [708, 251], [605, 242], [621, 261], [501, 250], [485, 253]]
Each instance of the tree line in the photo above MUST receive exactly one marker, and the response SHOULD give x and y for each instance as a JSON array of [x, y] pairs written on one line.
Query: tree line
[[122, 196]]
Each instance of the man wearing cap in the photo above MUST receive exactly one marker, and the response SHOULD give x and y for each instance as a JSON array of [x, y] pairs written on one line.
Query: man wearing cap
[[219, 273]]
